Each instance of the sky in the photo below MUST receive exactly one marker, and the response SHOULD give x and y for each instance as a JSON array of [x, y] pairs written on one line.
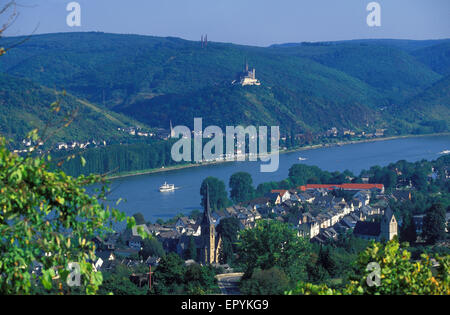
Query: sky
[[248, 22]]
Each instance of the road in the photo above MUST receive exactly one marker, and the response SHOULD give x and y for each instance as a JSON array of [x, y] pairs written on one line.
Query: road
[[229, 283]]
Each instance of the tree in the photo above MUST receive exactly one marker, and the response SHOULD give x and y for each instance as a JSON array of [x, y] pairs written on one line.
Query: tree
[[191, 251], [270, 244], [173, 277], [152, 247], [217, 193], [200, 280], [398, 275], [241, 187], [434, 223], [327, 261], [408, 231], [139, 218], [118, 282], [266, 282], [48, 218], [169, 275], [228, 228]]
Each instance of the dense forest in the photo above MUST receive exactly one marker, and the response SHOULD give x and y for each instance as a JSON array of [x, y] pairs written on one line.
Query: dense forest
[[305, 87], [25, 105]]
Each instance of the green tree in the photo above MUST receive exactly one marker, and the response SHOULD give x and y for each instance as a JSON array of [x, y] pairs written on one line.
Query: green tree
[[191, 251], [270, 244], [139, 218], [169, 275], [200, 280], [217, 193], [241, 187], [48, 218], [228, 228], [408, 230], [434, 223], [328, 261], [266, 282], [398, 274], [118, 282], [152, 247]]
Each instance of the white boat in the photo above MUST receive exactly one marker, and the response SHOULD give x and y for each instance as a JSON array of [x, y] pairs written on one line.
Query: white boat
[[167, 187], [445, 152], [302, 159]]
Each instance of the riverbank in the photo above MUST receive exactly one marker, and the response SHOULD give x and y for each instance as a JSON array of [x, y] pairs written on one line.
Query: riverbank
[[305, 148]]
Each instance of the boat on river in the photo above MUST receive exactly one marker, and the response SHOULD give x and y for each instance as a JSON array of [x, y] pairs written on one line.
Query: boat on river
[[167, 187]]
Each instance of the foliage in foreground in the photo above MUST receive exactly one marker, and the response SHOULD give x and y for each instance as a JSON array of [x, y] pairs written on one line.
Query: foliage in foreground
[[47, 219], [398, 274]]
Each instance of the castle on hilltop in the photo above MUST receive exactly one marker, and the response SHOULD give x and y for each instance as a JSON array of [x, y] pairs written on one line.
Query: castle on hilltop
[[247, 77]]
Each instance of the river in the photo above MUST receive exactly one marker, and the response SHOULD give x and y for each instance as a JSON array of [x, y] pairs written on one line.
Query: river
[[141, 192]]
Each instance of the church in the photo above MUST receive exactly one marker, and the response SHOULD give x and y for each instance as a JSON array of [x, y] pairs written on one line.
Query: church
[[384, 230], [211, 242], [208, 244]]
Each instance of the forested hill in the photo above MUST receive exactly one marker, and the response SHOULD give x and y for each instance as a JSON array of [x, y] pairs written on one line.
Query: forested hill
[[25, 105], [430, 106], [310, 86]]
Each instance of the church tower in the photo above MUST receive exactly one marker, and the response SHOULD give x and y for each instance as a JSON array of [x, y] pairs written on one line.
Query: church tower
[[389, 226], [208, 235]]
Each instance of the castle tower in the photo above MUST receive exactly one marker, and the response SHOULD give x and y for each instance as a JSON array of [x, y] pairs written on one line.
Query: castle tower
[[208, 235], [389, 226]]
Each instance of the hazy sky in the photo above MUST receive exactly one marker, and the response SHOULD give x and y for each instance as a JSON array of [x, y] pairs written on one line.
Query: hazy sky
[[252, 22]]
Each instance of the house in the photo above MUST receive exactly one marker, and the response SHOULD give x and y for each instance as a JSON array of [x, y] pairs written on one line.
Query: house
[[259, 203], [274, 198], [305, 197], [363, 197], [309, 229], [133, 238], [105, 260], [169, 240], [385, 230], [182, 223], [135, 242], [284, 194], [402, 195]]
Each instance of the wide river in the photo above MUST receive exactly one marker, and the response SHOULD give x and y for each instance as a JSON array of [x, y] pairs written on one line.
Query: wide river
[[141, 193]]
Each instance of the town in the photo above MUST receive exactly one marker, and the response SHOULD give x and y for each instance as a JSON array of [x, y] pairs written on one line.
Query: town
[[312, 210]]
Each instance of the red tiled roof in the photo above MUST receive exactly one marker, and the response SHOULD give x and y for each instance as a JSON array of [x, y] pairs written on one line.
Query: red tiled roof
[[342, 186]]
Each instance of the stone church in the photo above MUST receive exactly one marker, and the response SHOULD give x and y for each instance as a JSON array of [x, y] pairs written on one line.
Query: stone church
[[384, 230], [210, 242]]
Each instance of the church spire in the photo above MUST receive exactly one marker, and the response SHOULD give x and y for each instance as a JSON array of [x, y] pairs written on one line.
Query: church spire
[[207, 210]]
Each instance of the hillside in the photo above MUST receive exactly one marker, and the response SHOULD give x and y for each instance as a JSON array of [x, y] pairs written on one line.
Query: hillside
[[390, 71], [25, 105], [304, 87], [430, 108], [437, 57]]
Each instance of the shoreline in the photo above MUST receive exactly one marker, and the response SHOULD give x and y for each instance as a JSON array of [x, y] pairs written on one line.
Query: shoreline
[[305, 148]]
